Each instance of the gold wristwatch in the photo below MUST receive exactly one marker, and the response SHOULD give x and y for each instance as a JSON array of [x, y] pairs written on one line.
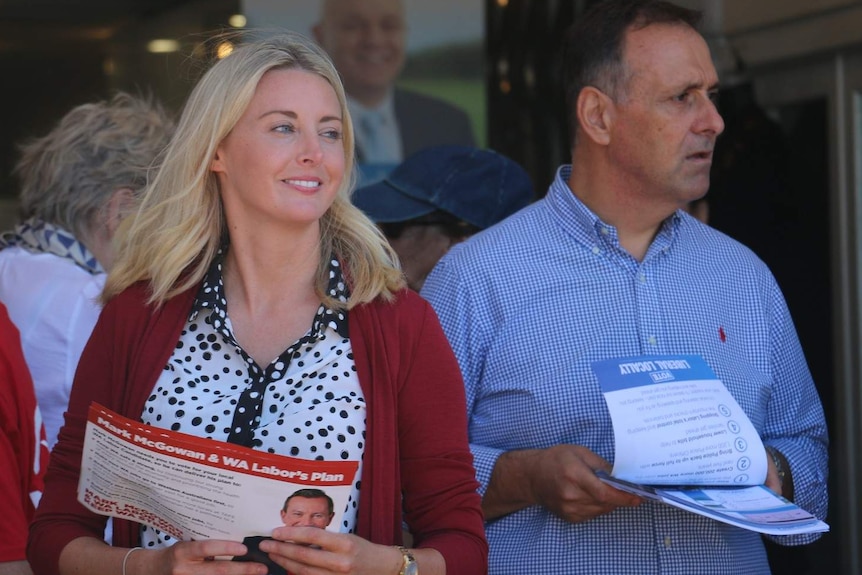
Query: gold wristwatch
[[409, 567]]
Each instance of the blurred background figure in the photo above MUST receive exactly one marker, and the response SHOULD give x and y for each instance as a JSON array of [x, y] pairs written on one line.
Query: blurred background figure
[[77, 182], [23, 450], [440, 196], [366, 40]]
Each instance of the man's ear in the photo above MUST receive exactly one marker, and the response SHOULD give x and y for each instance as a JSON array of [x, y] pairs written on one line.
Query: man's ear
[[120, 204], [595, 114]]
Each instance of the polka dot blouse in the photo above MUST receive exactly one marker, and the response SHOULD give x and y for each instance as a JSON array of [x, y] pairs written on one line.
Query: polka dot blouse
[[307, 403]]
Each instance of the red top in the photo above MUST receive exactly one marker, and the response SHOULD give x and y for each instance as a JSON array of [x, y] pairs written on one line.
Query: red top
[[23, 448], [416, 428]]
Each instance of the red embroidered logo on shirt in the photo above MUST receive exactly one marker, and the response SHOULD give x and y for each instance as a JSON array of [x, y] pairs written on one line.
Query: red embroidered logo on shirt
[[721, 334]]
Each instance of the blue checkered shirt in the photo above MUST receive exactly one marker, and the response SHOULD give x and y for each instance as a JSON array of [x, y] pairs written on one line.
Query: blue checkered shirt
[[531, 302]]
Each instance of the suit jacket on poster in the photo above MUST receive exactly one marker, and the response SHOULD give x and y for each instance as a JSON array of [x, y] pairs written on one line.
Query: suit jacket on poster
[[425, 121]]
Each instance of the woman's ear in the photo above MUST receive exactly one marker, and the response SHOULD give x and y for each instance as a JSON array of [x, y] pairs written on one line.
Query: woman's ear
[[595, 114], [217, 165]]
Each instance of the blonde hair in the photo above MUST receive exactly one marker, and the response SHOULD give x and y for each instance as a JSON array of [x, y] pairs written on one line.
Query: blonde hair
[[179, 227], [69, 175]]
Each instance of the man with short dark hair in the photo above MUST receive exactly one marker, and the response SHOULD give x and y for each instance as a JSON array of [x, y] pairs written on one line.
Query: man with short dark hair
[[308, 508], [608, 265]]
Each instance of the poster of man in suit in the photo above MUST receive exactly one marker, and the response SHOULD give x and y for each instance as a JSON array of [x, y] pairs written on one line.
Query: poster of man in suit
[[412, 70]]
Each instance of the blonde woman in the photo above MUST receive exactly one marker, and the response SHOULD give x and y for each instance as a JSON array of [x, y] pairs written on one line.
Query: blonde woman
[[249, 290]]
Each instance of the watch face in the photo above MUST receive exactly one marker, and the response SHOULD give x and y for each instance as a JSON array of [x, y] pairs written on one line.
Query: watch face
[[411, 569]]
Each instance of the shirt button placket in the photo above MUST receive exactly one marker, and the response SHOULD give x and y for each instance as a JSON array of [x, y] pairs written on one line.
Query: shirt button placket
[[646, 310]]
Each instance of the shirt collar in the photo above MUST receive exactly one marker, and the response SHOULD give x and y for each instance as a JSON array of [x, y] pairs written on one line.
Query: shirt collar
[[211, 297], [585, 226], [386, 108]]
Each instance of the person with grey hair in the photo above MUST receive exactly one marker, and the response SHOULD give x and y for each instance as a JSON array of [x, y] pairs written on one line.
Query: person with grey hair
[[77, 182]]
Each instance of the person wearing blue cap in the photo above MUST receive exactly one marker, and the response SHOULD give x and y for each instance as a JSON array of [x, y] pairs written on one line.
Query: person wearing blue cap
[[440, 196]]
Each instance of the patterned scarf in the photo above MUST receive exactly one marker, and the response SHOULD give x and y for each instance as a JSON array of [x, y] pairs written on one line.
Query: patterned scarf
[[40, 237]]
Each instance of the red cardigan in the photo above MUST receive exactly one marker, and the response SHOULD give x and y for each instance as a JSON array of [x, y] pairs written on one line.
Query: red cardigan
[[416, 428], [20, 430]]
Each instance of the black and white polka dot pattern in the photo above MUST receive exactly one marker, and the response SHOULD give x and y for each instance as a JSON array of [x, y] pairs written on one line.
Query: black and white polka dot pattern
[[307, 403]]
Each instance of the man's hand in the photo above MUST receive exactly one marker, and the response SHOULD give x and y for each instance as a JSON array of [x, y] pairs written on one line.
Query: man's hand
[[561, 478]]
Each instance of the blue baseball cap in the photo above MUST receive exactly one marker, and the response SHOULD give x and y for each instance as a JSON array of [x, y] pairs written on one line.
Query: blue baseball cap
[[478, 186]]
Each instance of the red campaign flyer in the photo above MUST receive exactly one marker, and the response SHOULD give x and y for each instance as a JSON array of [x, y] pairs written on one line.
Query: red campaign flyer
[[192, 487]]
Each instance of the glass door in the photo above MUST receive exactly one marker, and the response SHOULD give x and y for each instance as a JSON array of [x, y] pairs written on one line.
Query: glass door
[[817, 106]]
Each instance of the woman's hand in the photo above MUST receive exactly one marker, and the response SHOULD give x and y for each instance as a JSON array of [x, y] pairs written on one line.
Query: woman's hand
[[193, 557], [92, 556], [311, 550]]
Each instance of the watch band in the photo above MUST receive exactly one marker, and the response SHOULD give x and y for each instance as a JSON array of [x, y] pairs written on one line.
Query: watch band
[[779, 466], [409, 567]]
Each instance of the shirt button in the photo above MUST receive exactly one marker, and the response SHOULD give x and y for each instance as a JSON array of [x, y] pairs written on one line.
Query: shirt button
[[642, 278], [605, 231], [667, 541], [652, 340], [596, 250]]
